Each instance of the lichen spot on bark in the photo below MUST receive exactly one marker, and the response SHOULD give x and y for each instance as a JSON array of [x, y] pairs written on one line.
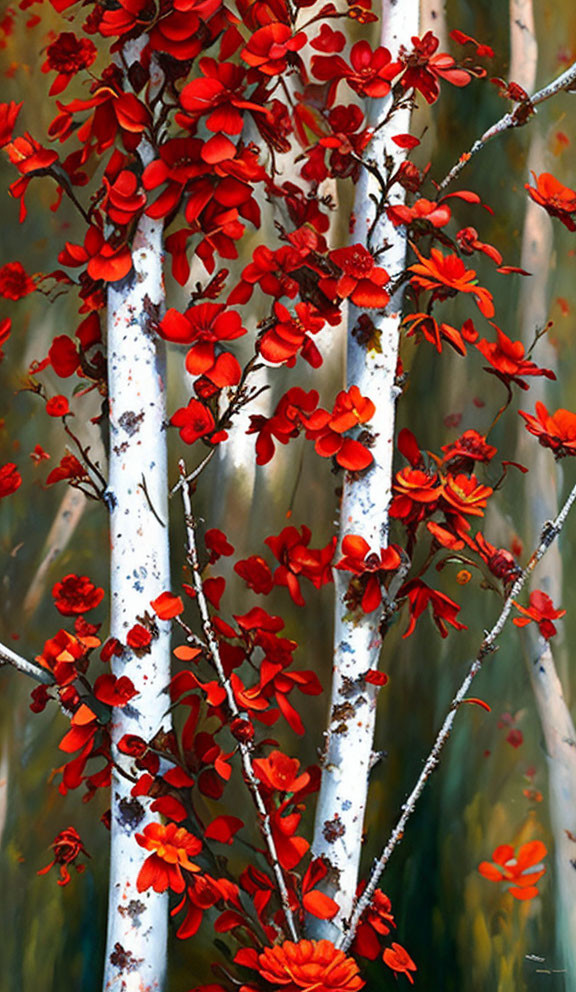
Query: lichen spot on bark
[[130, 813], [124, 960], [333, 829], [130, 421]]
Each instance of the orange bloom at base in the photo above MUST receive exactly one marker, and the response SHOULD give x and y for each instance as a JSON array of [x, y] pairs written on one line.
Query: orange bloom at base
[[172, 847], [310, 966]]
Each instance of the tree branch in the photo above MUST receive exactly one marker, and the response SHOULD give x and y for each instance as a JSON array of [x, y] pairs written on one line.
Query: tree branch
[[512, 119], [244, 749], [550, 531], [36, 672]]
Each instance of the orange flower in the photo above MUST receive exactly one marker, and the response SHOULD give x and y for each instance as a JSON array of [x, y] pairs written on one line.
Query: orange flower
[[553, 430], [558, 200], [361, 281], [465, 494], [309, 965], [447, 275], [515, 868], [280, 773], [399, 960], [172, 847], [508, 360]]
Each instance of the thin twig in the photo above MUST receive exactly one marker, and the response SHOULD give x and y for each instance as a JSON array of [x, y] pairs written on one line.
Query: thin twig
[[244, 749], [195, 472], [36, 672], [512, 119], [549, 534]]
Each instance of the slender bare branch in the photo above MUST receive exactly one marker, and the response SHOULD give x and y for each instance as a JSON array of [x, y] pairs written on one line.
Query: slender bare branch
[[9, 657], [514, 118], [250, 777], [550, 531], [195, 472]]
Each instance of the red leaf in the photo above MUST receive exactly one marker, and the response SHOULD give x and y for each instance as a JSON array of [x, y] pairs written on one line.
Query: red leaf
[[167, 606], [223, 829], [320, 905]]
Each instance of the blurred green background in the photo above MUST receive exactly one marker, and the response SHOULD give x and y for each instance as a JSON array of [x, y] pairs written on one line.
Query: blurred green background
[[463, 932]]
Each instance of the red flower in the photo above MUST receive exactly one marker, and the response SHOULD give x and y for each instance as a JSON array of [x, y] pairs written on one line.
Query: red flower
[[57, 406], [468, 243], [372, 571], [67, 56], [465, 494], [29, 157], [553, 430], [418, 492], [507, 358], [15, 282], [256, 574], [206, 325], [76, 594], [284, 424], [10, 479], [290, 547], [542, 611], [123, 200], [193, 421], [167, 606], [434, 332], [501, 562], [558, 200], [362, 281], [218, 93], [8, 114], [375, 923], [470, 447], [105, 261], [138, 637], [271, 48], [424, 67], [447, 275], [67, 847], [436, 214], [202, 893], [327, 429], [310, 966], [444, 609], [63, 356], [181, 32], [279, 773], [522, 869], [114, 691], [172, 848], [60, 654], [369, 74], [399, 960], [69, 468], [291, 334]]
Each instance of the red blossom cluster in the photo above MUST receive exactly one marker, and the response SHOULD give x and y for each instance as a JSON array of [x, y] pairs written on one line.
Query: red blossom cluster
[[298, 410]]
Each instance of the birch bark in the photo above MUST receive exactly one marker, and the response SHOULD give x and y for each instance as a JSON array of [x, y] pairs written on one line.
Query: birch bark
[[542, 496], [364, 510], [137, 497]]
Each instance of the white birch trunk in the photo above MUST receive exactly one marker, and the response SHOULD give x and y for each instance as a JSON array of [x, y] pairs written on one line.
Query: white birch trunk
[[560, 740], [542, 500], [357, 642], [140, 570]]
